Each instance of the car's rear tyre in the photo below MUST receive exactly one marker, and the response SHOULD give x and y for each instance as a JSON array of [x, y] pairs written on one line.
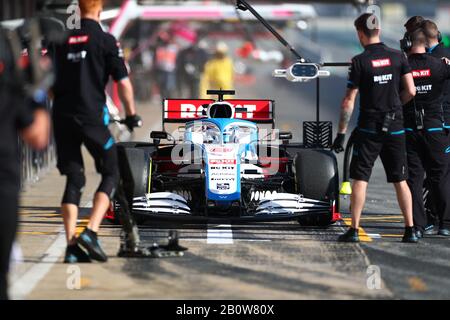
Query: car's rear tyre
[[317, 177]]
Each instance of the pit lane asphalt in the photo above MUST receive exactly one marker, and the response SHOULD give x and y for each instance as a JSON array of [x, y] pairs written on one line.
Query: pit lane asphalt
[[265, 261]]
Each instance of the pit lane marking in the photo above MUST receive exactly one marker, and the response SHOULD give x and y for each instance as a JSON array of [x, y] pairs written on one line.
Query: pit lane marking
[[221, 234], [417, 284], [38, 233], [81, 224], [363, 236], [26, 283]]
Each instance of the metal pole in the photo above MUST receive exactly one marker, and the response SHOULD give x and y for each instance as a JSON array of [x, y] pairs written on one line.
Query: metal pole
[[317, 110], [244, 5]]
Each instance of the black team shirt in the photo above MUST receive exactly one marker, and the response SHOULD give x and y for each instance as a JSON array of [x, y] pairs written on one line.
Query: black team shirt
[[430, 78], [84, 63], [439, 52], [377, 73]]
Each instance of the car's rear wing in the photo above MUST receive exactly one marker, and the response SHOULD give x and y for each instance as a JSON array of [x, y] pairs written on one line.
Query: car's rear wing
[[185, 110]]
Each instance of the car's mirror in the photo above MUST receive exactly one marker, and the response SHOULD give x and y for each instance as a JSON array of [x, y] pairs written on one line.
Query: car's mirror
[[285, 135]]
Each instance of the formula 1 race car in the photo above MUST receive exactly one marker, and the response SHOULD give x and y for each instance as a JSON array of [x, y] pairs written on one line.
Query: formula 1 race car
[[223, 165]]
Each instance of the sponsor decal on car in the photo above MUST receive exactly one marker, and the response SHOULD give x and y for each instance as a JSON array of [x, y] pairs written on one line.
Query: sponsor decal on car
[[223, 186], [222, 168], [184, 110], [222, 161]]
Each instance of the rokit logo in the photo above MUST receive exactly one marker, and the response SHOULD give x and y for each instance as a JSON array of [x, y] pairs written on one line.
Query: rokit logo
[[421, 73], [382, 79], [424, 88], [381, 63]]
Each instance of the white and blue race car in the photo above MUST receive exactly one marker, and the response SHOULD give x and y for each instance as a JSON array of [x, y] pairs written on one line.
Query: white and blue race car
[[228, 162]]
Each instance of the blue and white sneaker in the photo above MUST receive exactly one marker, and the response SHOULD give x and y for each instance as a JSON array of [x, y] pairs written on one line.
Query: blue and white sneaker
[[88, 240], [74, 254]]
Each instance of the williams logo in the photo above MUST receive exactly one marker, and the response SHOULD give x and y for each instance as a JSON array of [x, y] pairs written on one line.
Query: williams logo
[[447, 150]]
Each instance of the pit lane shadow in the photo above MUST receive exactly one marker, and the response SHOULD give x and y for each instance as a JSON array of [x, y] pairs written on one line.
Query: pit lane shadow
[[248, 232], [203, 270]]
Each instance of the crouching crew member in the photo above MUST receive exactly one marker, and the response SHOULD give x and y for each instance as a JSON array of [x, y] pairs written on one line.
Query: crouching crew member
[[427, 140], [378, 74], [84, 63]]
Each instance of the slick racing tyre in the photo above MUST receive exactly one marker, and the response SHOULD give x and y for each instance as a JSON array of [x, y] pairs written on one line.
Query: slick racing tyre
[[135, 169], [317, 177]]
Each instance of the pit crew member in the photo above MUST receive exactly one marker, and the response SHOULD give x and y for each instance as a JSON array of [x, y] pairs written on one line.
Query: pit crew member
[[426, 139], [378, 74], [32, 123], [84, 63]]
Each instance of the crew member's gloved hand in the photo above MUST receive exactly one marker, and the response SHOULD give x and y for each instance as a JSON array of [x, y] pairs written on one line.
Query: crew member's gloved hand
[[133, 122], [338, 144]]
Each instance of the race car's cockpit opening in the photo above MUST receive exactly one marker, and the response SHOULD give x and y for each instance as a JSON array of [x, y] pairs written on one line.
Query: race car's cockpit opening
[[220, 110], [206, 132]]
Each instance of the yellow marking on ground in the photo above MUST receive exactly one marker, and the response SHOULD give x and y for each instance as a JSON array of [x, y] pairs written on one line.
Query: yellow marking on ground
[[386, 221], [417, 284], [85, 282], [39, 214], [363, 236], [38, 233], [382, 218], [81, 225], [391, 235]]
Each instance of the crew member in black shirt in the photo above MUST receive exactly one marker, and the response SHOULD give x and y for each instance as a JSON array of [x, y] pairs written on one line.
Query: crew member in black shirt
[[84, 63], [427, 141], [437, 49], [33, 125], [379, 74]]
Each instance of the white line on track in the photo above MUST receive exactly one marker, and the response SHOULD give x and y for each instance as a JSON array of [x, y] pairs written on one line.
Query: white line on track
[[26, 283], [221, 234]]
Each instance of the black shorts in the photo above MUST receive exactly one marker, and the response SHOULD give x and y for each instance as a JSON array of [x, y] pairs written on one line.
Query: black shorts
[[391, 147], [70, 135]]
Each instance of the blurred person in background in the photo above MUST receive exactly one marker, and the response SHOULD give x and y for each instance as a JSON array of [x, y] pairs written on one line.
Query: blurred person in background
[[165, 64], [18, 116], [84, 63], [219, 71], [190, 66]]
